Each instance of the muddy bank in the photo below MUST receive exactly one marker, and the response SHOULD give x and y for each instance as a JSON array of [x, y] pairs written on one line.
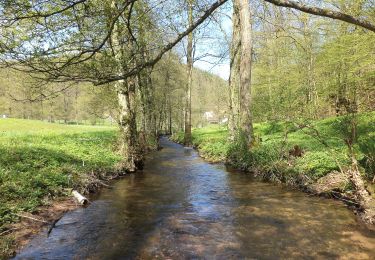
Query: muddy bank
[[43, 219], [19, 234]]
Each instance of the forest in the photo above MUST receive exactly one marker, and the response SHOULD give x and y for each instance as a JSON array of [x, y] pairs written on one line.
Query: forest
[[93, 91]]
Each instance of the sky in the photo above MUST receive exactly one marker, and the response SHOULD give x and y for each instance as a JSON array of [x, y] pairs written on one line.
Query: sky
[[216, 45], [222, 70]]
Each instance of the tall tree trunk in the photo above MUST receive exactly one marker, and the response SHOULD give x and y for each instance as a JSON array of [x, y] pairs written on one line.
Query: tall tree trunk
[[168, 101], [246, 122], [147, 109], [126, 95], [150, 122], [146, 87], [240, 79], [187, 136], [234, 83], [170, 115], [128, 125]]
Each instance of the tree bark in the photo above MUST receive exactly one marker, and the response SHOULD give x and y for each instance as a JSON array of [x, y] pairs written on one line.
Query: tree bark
[[126, 96], [128, 125], [170, 115], [245, 115], [148, 132], [234, 84], [189, 58]]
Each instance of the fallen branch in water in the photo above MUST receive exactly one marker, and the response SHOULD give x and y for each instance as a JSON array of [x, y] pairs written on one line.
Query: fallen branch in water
[[53, 225], [339, 197]]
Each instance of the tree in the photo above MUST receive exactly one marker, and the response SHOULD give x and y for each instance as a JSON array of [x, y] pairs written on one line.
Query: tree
[[189, 68], [240, 78], [103, 43]]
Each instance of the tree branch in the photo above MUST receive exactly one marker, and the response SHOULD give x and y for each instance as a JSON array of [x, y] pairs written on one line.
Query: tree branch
[[167, 47], [325, 13], [45, 15]]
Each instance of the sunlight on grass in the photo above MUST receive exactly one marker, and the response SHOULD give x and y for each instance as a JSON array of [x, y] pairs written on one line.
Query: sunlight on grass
[[40, 161], [270, 151]]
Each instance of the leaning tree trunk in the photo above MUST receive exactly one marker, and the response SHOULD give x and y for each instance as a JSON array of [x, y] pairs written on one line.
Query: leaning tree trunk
[[246, 122], [364, 198], [234, 83], [187, 136]]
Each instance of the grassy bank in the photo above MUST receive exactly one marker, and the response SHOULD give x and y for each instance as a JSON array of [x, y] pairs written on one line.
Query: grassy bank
[[40, 162], [294, 153]]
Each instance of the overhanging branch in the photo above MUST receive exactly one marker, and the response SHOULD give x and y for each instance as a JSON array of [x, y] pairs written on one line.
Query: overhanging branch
[[324, 12], [167, 47]]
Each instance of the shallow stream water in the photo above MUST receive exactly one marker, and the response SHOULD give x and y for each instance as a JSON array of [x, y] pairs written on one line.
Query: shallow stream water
[[181, 207]]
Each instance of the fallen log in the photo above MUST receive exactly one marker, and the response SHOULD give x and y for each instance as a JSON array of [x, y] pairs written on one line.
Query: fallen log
[[81, 199]]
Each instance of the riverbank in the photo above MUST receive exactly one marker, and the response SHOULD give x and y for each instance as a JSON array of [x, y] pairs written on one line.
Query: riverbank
[[40, 164], [309, 155], [181, 207]]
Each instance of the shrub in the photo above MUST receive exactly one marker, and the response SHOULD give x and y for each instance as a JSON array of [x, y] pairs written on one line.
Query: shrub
[[239, 154]]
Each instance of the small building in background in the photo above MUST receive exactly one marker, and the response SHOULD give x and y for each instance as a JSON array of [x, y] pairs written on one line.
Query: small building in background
[[4, 116], [211, 117], [224, 121]]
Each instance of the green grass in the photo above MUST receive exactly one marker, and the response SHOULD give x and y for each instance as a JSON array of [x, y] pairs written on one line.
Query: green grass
[[42, 161], [270, 154], [211, 142]]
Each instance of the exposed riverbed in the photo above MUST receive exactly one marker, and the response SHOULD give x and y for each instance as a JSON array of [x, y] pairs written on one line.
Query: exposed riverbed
[[182, 207]]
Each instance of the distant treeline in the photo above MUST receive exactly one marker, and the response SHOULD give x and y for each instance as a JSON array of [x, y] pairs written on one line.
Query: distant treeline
[[83, 103]]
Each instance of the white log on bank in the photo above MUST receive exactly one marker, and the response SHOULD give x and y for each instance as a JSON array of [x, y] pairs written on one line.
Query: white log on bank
[[81, 199]]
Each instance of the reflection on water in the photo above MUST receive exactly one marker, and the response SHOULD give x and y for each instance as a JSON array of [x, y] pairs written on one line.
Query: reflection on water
[[181, 207]]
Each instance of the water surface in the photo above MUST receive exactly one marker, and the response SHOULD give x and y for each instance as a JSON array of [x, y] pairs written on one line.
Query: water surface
[[181, 207]]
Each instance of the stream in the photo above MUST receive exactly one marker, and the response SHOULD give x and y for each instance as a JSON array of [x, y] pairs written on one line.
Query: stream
[[181, 207]]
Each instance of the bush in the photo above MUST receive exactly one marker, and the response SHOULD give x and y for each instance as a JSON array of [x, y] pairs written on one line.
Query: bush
[[239, 154], [273, 127]]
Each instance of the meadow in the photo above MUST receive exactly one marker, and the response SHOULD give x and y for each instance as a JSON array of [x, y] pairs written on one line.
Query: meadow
[[40, 162]]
